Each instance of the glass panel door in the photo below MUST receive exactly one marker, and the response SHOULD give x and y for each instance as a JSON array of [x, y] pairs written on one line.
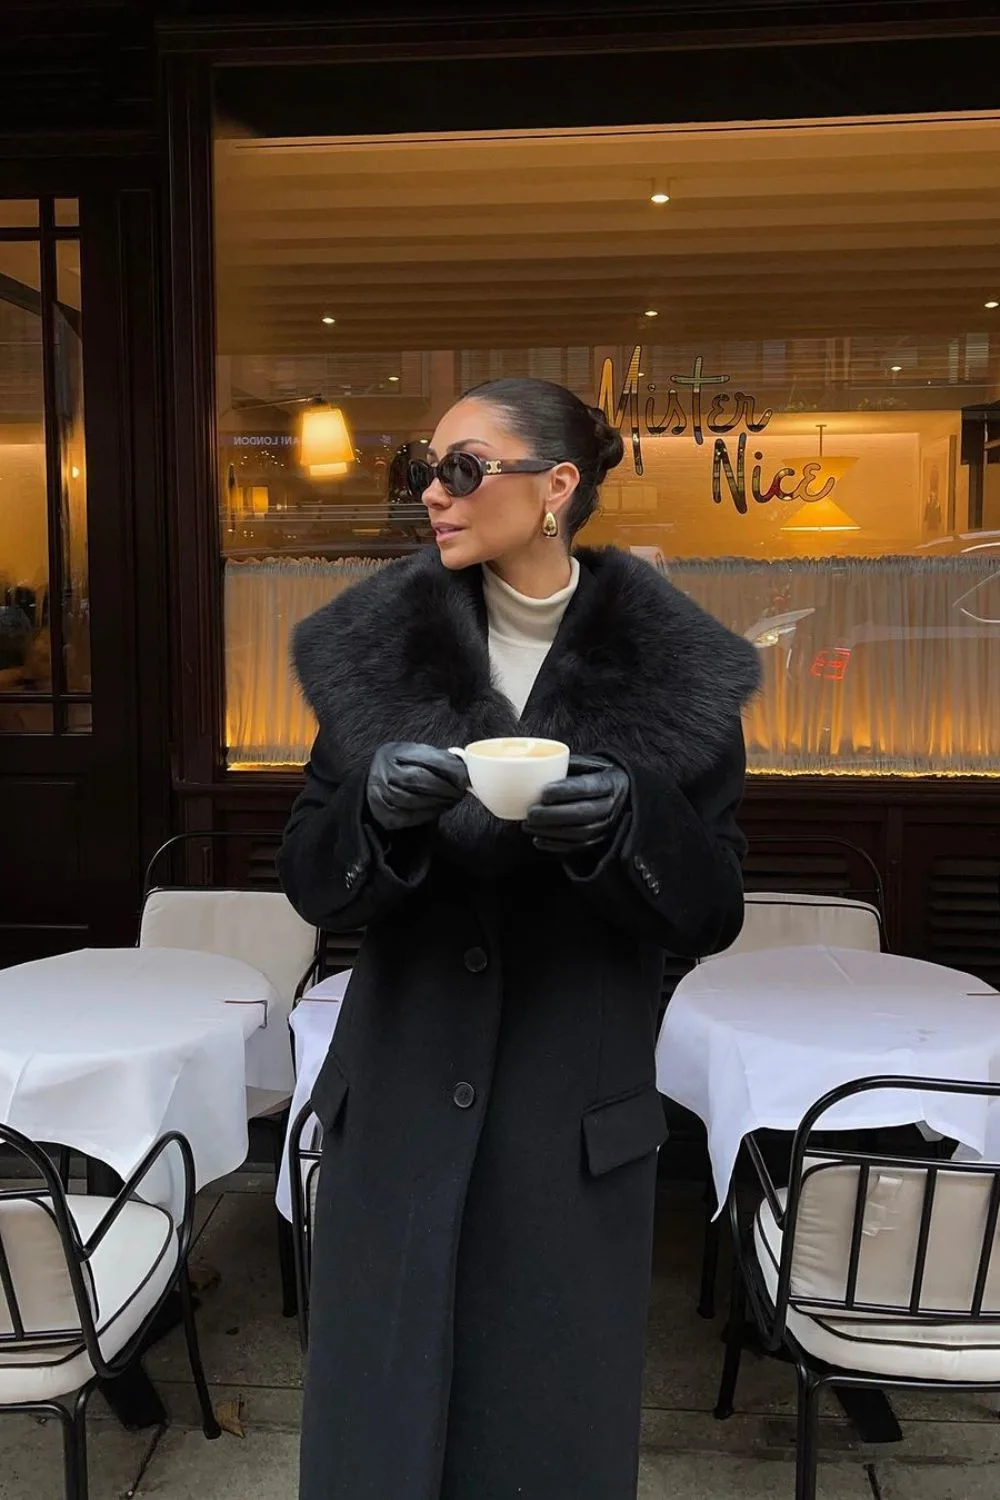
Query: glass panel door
[[45, 681]]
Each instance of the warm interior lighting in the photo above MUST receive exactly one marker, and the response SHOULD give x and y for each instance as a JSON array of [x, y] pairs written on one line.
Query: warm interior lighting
[[394, 379], [328, 320], [259, 500], [659, 198], [830, 467], [325, 446], [895, 369], [651, 313], [991, 304], [820, 515]]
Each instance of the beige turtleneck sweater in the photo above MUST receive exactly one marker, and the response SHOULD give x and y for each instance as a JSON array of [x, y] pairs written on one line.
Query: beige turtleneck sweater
[[521, 632]]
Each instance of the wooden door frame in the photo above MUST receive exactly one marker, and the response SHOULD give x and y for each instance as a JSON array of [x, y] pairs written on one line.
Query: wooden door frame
[[123, 764]]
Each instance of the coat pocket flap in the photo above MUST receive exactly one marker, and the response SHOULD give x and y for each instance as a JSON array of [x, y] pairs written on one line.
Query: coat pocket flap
[[329, 1093], [624, 1130]]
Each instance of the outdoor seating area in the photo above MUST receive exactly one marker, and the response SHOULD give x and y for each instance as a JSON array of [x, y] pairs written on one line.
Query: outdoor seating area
[[850, 1108], [254, 1365]]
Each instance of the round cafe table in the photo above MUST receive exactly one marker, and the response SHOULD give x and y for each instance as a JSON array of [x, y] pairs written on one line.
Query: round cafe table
[[313, 1022], [751, 1041], [106, 1049]]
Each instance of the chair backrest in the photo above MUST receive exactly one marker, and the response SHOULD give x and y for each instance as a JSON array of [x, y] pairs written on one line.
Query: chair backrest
[[890, 1204], [830, 893], [786, 919], [46, 1292], [260, 927], [305, 1147], [889, 1238]]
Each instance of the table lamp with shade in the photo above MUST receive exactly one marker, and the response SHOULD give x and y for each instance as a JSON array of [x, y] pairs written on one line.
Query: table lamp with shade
[[325, 446], [326, 449], [822, 515]]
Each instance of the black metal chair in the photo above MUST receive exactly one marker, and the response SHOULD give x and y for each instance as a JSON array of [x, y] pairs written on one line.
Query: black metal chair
[[833, 908], [256, 924], [82, 1280], [303, 1161], [870, 1271]]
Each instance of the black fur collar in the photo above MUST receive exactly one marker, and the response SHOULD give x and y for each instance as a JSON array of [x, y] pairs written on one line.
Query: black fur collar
[[638, 671]]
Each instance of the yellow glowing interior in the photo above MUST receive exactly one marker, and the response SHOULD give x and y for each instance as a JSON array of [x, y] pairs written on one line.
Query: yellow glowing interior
[[795, 406]]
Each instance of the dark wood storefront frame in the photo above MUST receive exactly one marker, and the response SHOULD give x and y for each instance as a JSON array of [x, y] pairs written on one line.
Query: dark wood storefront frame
[[118, 776], [920, 831]]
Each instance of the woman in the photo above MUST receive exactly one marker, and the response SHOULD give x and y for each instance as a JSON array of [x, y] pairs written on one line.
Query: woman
[[482, 1263]]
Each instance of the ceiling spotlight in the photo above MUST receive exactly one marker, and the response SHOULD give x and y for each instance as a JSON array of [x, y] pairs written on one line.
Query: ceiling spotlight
[[328, 320], [895, 369], [991, 304], [394, 379], [651, 313], [659, 197]]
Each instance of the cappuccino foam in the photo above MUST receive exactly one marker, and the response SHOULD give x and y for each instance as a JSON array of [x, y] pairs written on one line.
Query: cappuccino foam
[[516, 749]]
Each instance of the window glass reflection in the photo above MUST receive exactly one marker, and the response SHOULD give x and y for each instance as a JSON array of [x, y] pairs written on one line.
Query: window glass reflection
[[18, 213], [798, 347], [25, 662], [68, 356]]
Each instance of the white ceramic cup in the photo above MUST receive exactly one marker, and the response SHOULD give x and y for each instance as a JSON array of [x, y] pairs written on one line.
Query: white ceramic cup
[[508, 775]]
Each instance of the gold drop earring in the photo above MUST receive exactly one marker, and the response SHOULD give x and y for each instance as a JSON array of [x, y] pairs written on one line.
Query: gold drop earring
[[550, 526]]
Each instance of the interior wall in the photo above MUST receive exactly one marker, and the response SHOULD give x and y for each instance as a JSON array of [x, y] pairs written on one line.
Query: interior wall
[[23, 530], [901, 490]]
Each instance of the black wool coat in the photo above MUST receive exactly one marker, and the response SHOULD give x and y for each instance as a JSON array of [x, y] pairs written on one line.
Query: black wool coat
[[482, 1253]]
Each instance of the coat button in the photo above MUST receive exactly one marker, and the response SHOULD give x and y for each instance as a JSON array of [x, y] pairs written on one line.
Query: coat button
[[464, 1095], [476, 960]]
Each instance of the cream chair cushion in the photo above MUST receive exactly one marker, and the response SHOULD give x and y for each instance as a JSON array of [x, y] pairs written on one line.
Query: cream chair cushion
[[260, 927], [126, 1277], [776, 919], [309, 1169], [885, 1344]]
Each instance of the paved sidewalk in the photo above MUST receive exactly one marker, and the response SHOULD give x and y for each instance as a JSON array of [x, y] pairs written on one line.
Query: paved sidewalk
[[252, 1356]]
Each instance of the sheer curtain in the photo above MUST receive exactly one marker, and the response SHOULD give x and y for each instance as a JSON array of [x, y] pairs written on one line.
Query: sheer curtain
[[267, 720], [885, 665]]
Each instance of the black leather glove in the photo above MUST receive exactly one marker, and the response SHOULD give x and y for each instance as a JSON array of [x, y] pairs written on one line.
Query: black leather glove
[[413, 784], [581, 812]]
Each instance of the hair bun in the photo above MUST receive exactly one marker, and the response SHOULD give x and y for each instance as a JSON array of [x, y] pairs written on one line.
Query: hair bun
[[610, 447]]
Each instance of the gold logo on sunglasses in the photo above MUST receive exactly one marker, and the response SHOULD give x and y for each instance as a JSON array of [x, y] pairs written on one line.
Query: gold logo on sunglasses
[[493, 466]]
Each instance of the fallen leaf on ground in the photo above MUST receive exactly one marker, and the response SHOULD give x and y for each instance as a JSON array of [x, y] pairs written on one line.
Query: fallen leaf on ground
[[204, 1278], [229, 1415]]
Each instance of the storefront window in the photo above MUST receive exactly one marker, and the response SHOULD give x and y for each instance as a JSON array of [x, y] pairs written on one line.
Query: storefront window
[[44, 594], [801, 346]]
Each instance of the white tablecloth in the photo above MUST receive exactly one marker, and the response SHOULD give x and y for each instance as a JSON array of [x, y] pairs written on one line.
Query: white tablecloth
[[751, 1041], [313, 1022], [104, 1050]]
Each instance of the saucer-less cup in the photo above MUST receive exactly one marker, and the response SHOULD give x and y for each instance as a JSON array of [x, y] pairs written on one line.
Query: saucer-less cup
[[508, 775]]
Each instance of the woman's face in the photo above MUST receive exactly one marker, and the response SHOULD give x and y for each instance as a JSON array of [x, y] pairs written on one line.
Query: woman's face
[[503, 517]]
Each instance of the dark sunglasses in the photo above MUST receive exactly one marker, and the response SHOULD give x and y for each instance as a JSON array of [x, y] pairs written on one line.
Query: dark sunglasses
[[459, 474]]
